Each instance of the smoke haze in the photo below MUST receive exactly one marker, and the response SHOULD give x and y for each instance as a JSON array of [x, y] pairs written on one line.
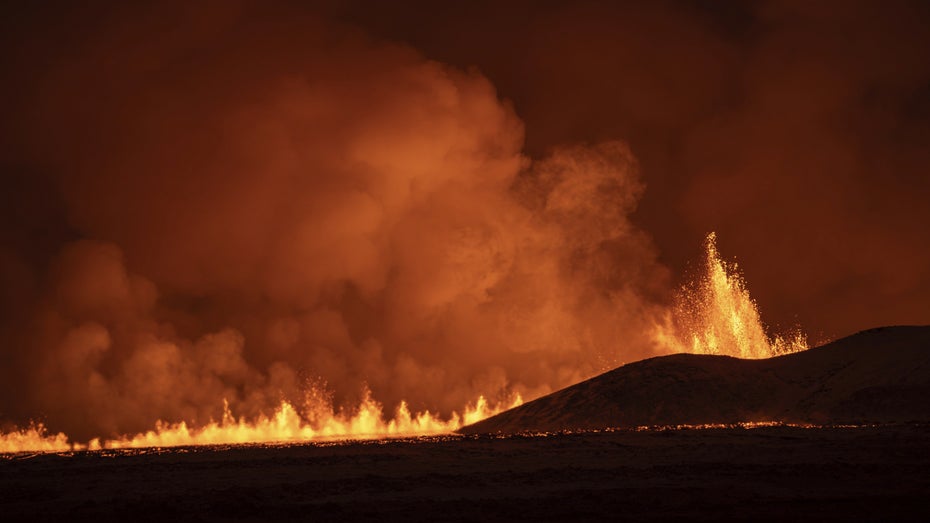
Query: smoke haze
[[234, 201], [799, 131], [259, 204]]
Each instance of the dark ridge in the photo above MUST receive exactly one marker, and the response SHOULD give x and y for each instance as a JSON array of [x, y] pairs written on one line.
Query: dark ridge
[[881, 375]]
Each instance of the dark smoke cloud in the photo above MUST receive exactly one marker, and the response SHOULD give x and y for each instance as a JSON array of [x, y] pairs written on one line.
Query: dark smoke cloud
[[824, 157], [797, 130], [236, 202]]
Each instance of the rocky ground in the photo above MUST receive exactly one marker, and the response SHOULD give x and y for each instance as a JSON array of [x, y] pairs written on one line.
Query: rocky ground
[[763, 474], [876, 376]]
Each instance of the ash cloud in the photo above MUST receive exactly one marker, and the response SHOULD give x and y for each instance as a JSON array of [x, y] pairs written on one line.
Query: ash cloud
[[244, 201], [798, 131]]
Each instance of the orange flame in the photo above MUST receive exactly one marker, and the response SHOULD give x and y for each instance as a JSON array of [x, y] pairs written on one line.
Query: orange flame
[[715, 315], [286, 424], [34, 438]]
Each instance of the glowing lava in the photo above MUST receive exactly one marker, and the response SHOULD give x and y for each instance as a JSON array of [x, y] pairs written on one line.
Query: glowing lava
[[715, 315], [35, 438], [315, 422], [286, 424]]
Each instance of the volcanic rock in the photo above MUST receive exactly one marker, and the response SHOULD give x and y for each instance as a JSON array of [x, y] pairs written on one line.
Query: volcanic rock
[[876, 376]]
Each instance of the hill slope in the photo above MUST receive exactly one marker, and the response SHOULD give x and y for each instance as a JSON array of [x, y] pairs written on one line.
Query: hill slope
[[879, 375]]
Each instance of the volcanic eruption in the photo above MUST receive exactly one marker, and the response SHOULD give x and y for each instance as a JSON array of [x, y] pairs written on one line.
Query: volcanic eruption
[[271, 224], [712, 315]]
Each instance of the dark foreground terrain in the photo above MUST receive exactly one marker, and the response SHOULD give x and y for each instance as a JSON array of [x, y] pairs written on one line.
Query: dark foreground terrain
[[876, 376], [763, 474]]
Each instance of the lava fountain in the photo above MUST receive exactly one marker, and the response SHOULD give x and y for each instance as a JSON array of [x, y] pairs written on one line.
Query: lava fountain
[[714, 314]]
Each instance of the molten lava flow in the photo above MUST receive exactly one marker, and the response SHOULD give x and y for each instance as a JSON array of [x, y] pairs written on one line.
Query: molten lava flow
[[316, 421], [286, 424], [715, 315], [35, 438]]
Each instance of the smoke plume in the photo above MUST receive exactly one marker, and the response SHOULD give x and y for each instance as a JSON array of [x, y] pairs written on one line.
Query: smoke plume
[[799, 131], [249, 205]]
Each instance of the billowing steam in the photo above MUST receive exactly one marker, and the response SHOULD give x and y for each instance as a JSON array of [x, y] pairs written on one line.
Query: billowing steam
[[250, 209], [253, 219]]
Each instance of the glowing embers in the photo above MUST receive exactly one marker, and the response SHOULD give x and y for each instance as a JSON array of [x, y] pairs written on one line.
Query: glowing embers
[[317, 421], [739, 425], [715, 315]]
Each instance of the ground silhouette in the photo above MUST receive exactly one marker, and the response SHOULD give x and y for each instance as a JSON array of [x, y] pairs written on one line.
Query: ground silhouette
[[876, 376]]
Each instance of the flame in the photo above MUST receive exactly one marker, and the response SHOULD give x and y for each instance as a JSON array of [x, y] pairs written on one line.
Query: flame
[[318, 421], [34, 438], [715, 315], [287, 425]]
